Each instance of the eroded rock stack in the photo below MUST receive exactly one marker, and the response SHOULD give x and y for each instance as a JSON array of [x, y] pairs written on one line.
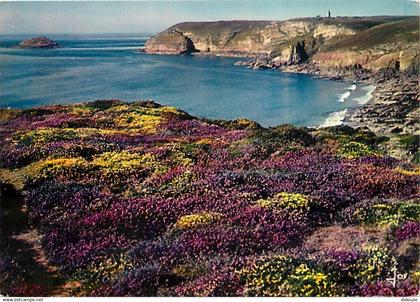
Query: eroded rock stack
[[170, 42]]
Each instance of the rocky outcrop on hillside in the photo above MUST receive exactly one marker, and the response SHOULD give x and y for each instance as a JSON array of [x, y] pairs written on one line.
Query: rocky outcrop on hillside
[[38, 42], [299, 54]]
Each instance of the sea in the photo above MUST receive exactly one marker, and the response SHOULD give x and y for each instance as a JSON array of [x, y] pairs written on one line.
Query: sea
[[93, 67]]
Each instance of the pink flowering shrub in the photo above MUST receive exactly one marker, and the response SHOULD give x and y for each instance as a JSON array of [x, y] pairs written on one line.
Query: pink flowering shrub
[[408, 230], [386, 288], [145, 200]]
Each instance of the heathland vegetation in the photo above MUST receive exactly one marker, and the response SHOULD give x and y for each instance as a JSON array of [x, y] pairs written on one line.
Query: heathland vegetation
[[141, 199]]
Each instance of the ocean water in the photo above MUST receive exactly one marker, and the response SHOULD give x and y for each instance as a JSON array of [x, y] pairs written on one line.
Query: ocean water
[[91, 67]]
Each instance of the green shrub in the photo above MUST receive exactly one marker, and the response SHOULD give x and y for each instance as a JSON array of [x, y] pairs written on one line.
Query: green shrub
[[375, 264], [352, 150], [389, 214], [286, 276]]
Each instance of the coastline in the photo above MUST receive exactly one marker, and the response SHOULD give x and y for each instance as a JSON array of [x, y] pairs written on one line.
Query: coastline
[[362, 77], [380, 52], [391, 109], [233, 158]]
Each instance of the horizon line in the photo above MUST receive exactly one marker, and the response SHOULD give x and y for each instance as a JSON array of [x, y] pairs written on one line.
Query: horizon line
[[206, 21]]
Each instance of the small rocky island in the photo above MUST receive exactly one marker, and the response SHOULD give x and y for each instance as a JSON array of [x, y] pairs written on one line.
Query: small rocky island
[[38, 42]]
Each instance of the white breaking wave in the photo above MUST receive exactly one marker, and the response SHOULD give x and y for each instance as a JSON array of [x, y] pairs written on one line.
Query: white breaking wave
[[369, 94], [344, 96], [416, 1], [334, 119]]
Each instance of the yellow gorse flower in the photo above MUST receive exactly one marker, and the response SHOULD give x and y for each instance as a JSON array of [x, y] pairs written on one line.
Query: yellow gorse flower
[[142, 119], [196, 220], [385, 215], [288, 201], [415, 172], [284, 276], [376, 264], [351, 150]]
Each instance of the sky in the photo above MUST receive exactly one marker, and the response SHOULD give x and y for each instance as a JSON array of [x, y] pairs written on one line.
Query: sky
[[53, 17]]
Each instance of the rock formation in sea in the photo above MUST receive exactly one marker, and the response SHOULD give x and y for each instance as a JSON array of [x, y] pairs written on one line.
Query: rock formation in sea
[[170, 42], [38, 42]]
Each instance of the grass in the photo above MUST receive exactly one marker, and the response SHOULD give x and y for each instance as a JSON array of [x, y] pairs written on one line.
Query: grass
[[406, 31]]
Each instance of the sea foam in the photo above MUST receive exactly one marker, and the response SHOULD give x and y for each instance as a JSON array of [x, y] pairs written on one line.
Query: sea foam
[[334, 119], [366, 97], [344, 96]]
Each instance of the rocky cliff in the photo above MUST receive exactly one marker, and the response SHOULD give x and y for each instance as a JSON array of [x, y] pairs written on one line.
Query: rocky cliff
[[171, 42], [369, 42], [390, 45]]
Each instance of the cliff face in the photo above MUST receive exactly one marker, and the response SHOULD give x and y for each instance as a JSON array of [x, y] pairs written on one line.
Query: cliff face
[[372, 42], [240, 37], [389, 45], [403, 60], [170, 42]]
